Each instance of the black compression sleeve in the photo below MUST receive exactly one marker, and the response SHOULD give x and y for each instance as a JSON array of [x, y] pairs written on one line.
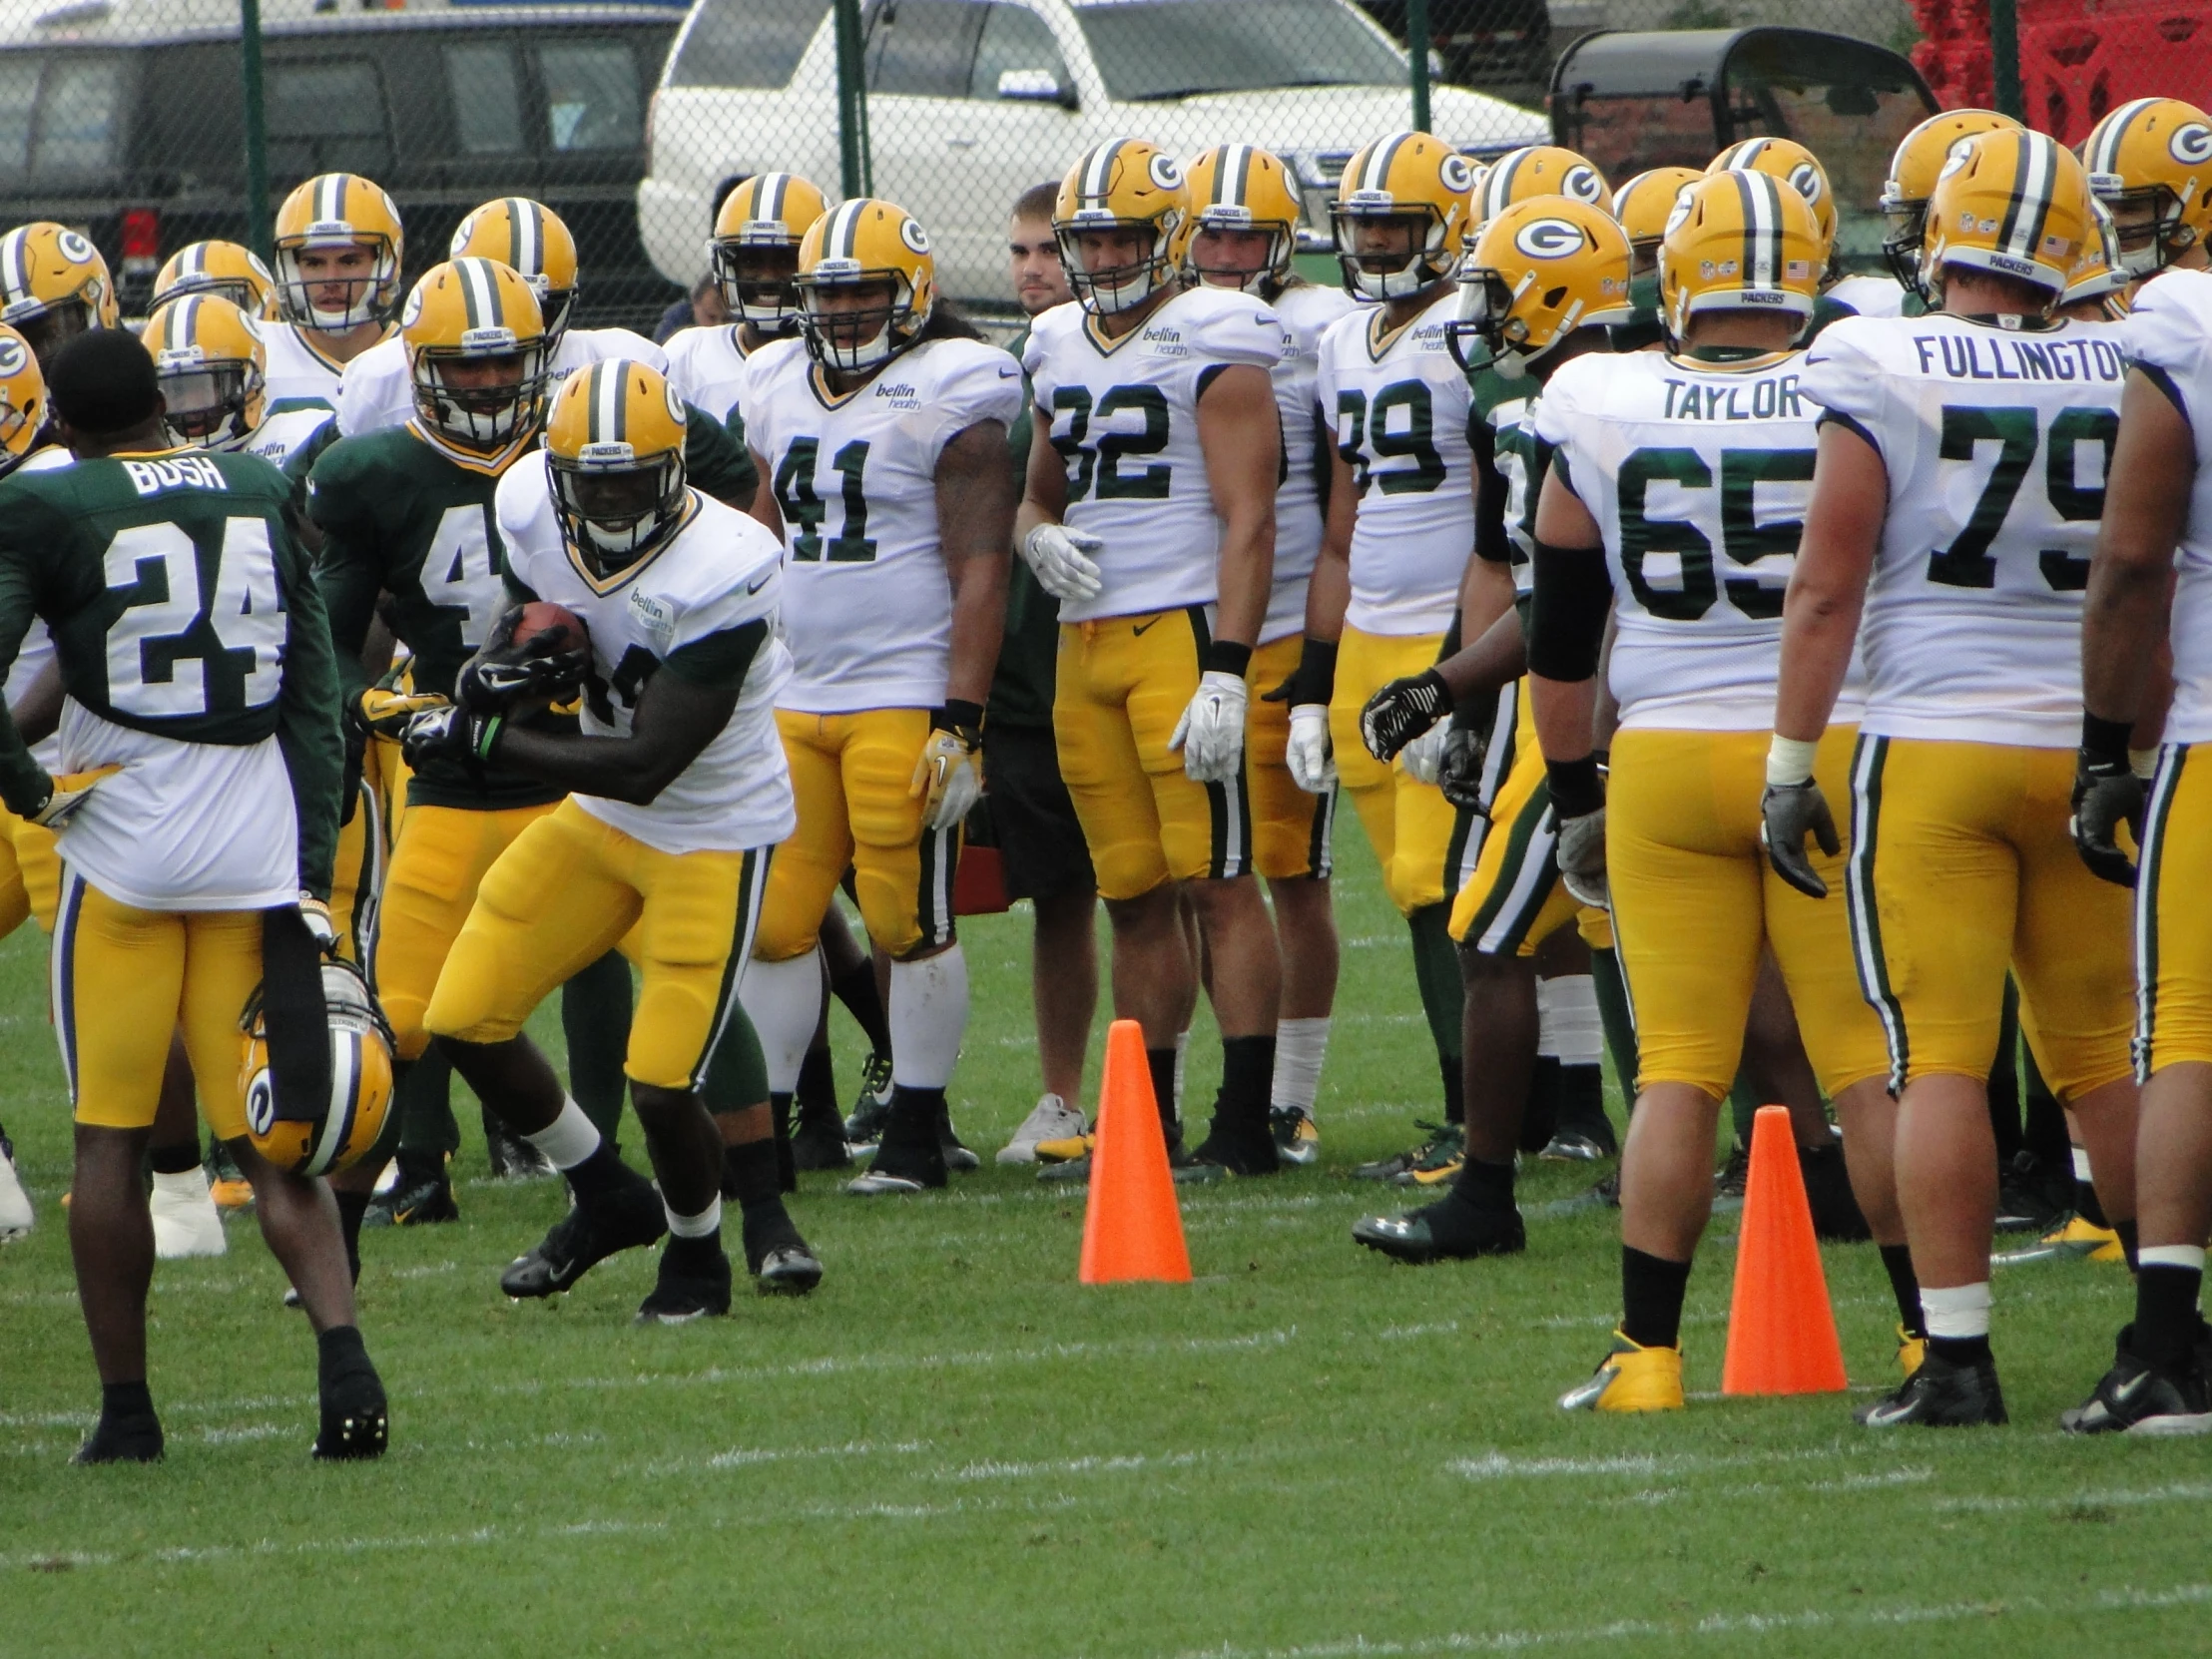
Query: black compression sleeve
[[1566, 625]]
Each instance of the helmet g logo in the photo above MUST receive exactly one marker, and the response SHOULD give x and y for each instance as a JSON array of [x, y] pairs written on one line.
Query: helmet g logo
[[913, 235], [2191, 144], [1165, 174], [12, 356], [260, 1103], [413, 313], [1805, 178], [1458, 177], [1548, 238], [1679, 214], [1582, 185], [77, 251], [676, 411]]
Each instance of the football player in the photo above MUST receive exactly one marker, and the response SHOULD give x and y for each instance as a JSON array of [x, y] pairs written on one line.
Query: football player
[[1842, 295], [1242, 232], [223, 269], [1148, 513], [212, 358], [54, 285], [1670, 512], [1957, 492], [881, 436], [1643, 206], [755, 254], [1918, 158], [198, 815], [1541, 285], [678, 791], [2150, 163], [338, 247], [2147, 593]]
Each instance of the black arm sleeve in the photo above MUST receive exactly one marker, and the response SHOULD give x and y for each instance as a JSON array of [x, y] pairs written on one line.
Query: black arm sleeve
[[1491, 540], [1572, 598]]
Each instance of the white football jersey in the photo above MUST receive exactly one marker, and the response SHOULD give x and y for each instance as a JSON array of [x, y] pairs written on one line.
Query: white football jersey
[[299, 372], [718, 572], [868, 602], [1399, 404], [1520, 456], [1306, 312], [1996, 441], [2168, 337], [377, 389], [1698, 475], [707, 366], [1123, 414], [282, 436], [1868, 295]]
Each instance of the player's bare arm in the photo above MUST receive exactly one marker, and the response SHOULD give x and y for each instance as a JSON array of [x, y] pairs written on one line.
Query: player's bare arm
[[1330, 591], [976, 514], [1827, 588], [1242, 435], [677, 719], [2146, 505]]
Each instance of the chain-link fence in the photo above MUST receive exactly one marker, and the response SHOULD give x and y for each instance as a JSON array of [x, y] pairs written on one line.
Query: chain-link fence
[[126, 118]]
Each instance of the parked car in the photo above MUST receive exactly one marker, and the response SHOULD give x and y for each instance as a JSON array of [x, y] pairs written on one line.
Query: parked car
[[1636, 101], [970, 102], [125, 119]]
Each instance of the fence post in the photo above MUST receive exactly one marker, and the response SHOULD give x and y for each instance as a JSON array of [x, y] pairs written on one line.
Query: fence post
[[2004, 53], [1416, 52], [853, 169], [256, 128]]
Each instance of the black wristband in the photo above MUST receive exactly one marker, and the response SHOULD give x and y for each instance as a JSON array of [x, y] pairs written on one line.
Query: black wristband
[[1316, 678], [1228, 656], [1577, 790], [2105, 740], [957, 714]]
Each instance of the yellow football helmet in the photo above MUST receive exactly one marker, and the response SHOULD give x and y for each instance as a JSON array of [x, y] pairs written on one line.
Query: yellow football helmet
[[1795, 166], [337, 210], [22, 398], [477, 353], [530, 239], [1540, 170], [340, 1129], [54, 285], [2012, 204], [613, 449], [1124, 185], [223, 269], [1541, 269], [860, 244], [1912, 171], [1739, 240], [1645, 203], [2098, 275], [1240, 186], [2153, 155], [212, 369], [1411, 178], [755, 248]]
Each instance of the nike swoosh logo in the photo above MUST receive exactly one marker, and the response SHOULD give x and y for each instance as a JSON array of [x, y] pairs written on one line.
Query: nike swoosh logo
[[759, 582], [2131, 1387], [1154, 623]]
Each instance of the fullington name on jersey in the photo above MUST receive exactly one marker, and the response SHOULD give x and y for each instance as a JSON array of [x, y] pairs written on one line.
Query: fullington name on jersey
[[1964, 358]]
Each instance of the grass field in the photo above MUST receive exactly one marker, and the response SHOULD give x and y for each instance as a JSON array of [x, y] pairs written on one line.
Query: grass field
[[952, 1449]]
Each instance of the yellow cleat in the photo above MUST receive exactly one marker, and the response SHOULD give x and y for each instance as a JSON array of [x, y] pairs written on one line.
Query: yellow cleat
[[2077, 1241], [1632, 1379], [232, 1194], [1911, 1350], [1064, 1151]]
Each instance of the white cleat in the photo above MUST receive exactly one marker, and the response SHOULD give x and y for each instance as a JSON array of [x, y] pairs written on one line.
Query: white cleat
[[1052, 1119], [15, 1203], [186, 1220]]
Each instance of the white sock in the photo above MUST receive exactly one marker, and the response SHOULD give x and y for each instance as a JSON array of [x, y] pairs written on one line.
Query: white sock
[[693, 1227], [2150, 1256], [930, 1007], [1568, 1025], [1961, 1310], [193, 1183], [783, 1002], [1181, 1051], [2081, 1162], [569, 1139], [1300, 1045]]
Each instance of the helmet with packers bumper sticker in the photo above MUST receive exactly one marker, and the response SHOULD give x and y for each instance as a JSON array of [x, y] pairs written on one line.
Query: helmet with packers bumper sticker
[[1797, 167], [1913, 173], [2013, 204], [212, 370], [755, 248], [1125, 198], [324, 220], [533, 239], [867, 284], [22, 398], [324, 1135], [1240, 188], [1407, 183], [477, 353], [2150, 162], [1739, 240], [1541, 269], [223, 269], [54, 285], [1540, 170], [614, 455], [1645, 205]]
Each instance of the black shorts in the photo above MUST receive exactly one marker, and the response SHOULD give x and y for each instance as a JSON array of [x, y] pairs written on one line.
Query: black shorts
[[1040, 843]]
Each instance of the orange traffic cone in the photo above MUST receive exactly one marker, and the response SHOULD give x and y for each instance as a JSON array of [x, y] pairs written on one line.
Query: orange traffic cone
[[1132, 1228], [1781, 1328]]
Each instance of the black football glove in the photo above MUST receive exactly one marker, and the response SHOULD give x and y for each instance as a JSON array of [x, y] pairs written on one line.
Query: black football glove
[[452, 734], [2106, 795], [1459, 773], [505, 671], [1788, 813], [1402, 710]]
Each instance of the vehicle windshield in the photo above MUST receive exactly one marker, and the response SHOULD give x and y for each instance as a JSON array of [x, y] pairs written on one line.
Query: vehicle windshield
[[1156, 49]]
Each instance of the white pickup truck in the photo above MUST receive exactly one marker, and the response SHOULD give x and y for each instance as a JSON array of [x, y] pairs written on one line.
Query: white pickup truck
[[971, 102]]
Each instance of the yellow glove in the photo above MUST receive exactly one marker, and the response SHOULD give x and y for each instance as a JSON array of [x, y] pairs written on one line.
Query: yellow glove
[[948, 777], [385, 711], [71, 790]]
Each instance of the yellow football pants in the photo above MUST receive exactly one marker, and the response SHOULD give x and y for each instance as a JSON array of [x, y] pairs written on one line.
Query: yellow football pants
[[1291, 832], [30, 874], [1962, 865], [563, 895], [1424, 844], [358, 875], [125, 979], [854, 779], [1694, 900], [1515, 899], [1124, 683], [2173, 946]]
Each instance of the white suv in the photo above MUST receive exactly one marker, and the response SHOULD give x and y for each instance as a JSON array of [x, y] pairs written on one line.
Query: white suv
[[971, 102]]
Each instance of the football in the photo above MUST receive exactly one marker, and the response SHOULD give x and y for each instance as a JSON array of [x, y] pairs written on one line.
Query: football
[[542, 616]]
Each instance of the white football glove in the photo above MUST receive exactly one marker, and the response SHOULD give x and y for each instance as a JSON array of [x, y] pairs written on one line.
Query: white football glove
[[1211, 732], [1313, 766], [1425, 756], [1061, 558]]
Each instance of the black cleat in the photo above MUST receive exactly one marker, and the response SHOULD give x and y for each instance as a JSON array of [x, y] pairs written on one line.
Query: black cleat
[[1228, 1152], [1572, 1146], [511, 1157], [355, 1423], [1941, 1395], [413, 1201], [899, 1169], [781, 1262], [957, 1153], [626, 1219], [694, 1284], [872, 1108], [2031, 1198], [2138, 1398], [1403, 1163], [1837, 1217], [818, 1142], [1734, 1179], [1450, 1230], [132, 1440]]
